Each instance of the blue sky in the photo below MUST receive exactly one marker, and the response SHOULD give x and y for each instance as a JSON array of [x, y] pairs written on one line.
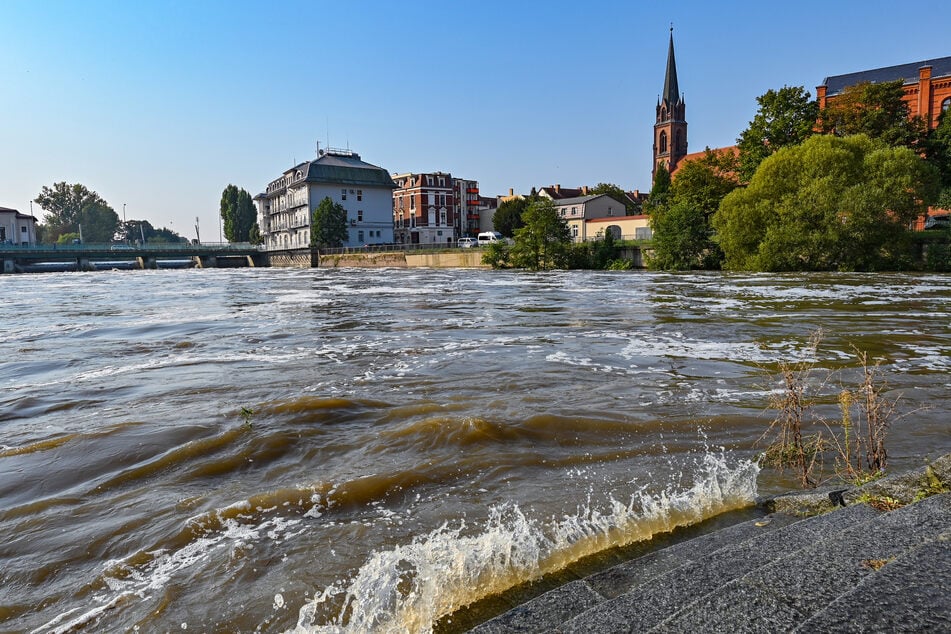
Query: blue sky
[[160, 105]]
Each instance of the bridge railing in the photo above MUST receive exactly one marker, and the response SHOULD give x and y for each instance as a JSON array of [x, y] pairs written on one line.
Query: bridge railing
[[184, 247]]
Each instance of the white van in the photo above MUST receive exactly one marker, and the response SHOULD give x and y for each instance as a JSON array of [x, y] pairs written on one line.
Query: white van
[[488, 237]]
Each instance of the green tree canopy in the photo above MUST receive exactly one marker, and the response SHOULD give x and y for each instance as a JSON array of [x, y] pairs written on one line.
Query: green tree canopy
[[543, 242], [875, 110], [660, 190], [785, 117], [63, 204], [508, 217], [99, 222], [830, 203], [682, 233], [329, 225], [238, 214]]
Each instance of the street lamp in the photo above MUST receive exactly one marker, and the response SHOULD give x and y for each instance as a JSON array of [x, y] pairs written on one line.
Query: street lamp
[[123, 212]]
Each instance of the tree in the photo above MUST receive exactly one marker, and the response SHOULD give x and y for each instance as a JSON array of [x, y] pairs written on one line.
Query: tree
[[63, 204], [830, 203], [329, 225], [99, 222], [682, 233], [938, 153], [682, 239], [785, 117], [617, 194], [238, 214], [508, 217], [254, 235], [875, 110], [543, 242], [660, 189]]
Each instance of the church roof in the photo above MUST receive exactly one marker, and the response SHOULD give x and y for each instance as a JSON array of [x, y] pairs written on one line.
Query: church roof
[[940, 67], [671, 89]]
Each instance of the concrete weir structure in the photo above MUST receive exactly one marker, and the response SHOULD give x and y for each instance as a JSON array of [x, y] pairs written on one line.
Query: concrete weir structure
[[89, 257], [875, 558]]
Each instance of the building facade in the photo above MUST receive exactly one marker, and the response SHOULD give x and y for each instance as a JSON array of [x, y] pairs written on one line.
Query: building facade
[[17, 228], [425, 208], [285, 209], [927, 86], [577, 211], [670, 127]]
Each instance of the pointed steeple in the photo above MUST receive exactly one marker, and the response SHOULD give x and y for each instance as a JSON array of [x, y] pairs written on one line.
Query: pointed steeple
[[671, 89]]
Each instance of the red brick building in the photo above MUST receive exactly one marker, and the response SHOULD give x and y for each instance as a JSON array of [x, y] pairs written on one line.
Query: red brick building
[[670, 128], [927, 86]]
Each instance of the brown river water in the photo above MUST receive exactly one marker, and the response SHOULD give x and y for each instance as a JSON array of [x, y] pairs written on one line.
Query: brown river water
[[370, 450]]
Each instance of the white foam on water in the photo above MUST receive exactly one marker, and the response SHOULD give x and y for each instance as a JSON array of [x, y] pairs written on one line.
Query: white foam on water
[[410, 587]]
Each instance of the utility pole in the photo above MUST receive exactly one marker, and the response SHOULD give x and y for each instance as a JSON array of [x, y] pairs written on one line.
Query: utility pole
[[197, 235]]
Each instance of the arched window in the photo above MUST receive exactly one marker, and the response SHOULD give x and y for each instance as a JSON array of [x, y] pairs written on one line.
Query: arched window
[[946, 104], [663, 142]]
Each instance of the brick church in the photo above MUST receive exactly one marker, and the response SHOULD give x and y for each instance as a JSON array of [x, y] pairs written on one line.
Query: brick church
[[670, 130]]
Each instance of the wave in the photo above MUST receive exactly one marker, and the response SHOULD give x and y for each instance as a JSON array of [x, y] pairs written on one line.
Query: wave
[[410, 588]]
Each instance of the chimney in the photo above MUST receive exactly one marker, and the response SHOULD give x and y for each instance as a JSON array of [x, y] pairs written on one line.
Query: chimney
[[511, 192], [584, 190], [558, 188]]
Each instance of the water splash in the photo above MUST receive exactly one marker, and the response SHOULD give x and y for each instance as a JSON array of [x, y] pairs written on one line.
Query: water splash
[[410, 587]]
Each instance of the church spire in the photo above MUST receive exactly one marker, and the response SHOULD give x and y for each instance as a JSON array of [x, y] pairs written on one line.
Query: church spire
[[671, 89]]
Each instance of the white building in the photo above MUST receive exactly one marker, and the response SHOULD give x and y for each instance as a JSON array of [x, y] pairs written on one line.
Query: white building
[[576, 211], [286, 207], [17, 228]]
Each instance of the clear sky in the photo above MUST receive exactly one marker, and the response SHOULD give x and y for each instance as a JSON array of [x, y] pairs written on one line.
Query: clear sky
[[160, 105]]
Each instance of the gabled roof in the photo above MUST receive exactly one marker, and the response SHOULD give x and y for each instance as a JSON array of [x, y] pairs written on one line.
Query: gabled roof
[[560, 192], [581, 200], [940, 67]]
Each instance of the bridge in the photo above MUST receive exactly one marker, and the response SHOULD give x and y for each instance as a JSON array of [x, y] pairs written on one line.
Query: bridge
[[85, 257]]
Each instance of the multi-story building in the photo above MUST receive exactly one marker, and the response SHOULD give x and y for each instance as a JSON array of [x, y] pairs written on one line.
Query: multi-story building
[[926, 86], [469, 207], [17, 228], [424, 208], [286, 207], [576, 211]]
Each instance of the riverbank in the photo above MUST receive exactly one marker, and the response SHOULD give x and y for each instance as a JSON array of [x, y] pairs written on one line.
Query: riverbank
[[868, 558]]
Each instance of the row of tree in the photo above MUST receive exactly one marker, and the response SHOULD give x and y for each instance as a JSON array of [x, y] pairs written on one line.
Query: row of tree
[[835, 189], [73, 211]]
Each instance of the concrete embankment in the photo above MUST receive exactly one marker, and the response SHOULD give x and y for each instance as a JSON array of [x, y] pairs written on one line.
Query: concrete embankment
[[875, 558], [460, 258]]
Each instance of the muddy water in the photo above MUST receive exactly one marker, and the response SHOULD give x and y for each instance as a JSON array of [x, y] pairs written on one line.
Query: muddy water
[[272, 450]]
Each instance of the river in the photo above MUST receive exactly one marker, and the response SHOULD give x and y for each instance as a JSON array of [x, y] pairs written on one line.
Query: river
[[369, 450]]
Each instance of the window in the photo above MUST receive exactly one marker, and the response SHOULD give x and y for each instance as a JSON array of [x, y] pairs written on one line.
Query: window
[[574, 211], [412, 202], [663, 142], [610, 211], [359, 236], [343, 194], [429, 180], [946, 104], [359, 194], [562, 212], [574, 231], [442, 181], [359, 215]]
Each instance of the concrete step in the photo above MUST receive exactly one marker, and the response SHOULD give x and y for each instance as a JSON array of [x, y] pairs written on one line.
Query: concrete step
[[909, 594], [553, 608], [802, 582], [649, 604]]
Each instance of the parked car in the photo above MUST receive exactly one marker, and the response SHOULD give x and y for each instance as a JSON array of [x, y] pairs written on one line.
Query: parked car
[[938, 222], [467, 243]]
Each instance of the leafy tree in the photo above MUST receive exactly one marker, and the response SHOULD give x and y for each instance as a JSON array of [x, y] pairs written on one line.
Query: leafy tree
[[661, 188], [938, 153], [508, 217], [329, 225], [99, 222], [875, 110], [63, 204], [165, 235], [496, 255], [682, 238], [785, 117], [254, 235], [830, 203], [617, 194], [543, 242], [237, 211], [682, 234]]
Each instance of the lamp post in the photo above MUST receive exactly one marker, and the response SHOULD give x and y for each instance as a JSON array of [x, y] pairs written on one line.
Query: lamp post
[[123, 213]]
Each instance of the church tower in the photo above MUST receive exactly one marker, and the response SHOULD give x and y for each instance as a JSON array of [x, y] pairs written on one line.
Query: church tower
[[670, 130]]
